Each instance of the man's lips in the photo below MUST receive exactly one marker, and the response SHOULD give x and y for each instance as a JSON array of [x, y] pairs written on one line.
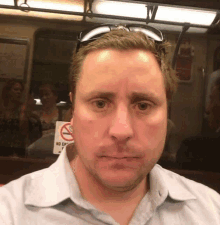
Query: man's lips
[[118, 157]]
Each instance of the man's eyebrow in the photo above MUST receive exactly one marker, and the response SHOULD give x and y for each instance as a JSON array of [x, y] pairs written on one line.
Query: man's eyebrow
[[137, 96], [101, 94], [133, 97]]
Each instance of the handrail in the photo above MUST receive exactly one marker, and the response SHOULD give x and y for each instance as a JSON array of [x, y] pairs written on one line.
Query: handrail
[[88, 14]]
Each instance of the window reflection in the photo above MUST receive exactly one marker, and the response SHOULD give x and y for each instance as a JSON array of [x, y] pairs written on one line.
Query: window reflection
[[13, 124], [49, 113]]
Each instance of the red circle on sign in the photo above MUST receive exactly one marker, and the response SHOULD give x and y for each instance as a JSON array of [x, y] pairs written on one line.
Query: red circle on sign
[[66, 131]]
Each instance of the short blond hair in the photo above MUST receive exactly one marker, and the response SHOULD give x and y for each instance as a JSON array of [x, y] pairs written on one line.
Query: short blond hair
[[126, 40]]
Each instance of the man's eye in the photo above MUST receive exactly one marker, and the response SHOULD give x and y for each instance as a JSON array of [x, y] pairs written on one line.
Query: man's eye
[[100, 104], [143, 106]]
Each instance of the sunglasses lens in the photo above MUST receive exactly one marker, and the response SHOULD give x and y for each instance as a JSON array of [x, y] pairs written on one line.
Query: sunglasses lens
[[152, 33], [90, 35], [95, 33]]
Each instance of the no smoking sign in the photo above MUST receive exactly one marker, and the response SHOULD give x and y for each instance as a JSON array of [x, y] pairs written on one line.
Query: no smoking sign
[[63, 136], [66, 132]]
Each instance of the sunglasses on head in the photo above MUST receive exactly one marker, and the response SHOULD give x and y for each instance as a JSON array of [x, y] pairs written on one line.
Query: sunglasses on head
[[94, 33]]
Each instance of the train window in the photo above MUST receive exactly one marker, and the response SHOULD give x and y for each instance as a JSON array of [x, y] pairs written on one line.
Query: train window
[[13, 74], [29, 114], [49, 87]]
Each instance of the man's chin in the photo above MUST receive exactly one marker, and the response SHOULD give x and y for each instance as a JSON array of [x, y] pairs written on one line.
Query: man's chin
[[120, 181]]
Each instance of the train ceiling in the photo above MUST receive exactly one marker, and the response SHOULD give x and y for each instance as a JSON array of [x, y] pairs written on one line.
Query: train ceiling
[[172, 15]]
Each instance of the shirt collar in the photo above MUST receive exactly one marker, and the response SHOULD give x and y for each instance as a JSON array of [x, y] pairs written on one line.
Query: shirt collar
[[49, 186], [57, 183], [166, 182]]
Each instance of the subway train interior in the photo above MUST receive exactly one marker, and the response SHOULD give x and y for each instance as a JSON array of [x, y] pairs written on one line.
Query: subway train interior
[[37, 40]]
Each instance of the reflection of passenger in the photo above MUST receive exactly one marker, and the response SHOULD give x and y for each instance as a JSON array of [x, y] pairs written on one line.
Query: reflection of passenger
[[213, 107], [11, 112], [49, 113], [34, 123], [43, 147], [201, 152]]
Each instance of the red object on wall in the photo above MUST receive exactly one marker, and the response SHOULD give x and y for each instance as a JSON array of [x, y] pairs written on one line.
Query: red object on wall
[[183, 67]]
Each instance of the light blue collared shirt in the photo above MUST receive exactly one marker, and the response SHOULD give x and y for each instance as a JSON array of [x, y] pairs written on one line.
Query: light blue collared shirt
[[52, 197]]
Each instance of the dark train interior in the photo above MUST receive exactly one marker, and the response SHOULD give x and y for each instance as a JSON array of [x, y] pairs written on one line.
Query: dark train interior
[[37, 38]]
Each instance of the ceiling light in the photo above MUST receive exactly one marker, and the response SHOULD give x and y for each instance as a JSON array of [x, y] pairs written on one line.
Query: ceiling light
[[164, 13], [117, 8], [8, 2], [183, 15], [67, 5]]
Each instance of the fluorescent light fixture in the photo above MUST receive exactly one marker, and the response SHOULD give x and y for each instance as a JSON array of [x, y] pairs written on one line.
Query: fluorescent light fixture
[[8, 2], [181, 15], [117, 8], [164, 13], [111, 7], [67, 5]]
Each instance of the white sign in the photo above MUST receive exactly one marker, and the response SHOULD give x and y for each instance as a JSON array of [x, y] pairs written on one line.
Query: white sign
[[63, 136]]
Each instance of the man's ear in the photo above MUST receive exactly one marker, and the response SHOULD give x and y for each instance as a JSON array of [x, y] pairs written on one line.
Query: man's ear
[[71, 96], [72, 101], [72, 120]]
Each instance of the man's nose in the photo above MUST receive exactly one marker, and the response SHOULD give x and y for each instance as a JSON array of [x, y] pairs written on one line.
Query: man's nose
[[121, 126]]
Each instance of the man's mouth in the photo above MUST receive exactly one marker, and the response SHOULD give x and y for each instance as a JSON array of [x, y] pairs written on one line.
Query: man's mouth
[[118, 157]]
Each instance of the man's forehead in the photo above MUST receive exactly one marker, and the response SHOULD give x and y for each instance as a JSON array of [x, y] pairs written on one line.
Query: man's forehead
[[110, 58], [103, 55], [111, 70]]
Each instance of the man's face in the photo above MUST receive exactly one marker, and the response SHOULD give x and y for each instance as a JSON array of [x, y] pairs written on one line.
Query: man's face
[[120, 116], [213, 109]]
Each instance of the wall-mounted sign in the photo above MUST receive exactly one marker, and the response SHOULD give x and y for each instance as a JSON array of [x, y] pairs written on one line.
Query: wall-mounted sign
[[63, 136], [13, 58]]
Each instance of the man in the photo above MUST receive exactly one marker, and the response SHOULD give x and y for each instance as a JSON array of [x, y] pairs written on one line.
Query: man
[[120, 85], [201, 152]]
